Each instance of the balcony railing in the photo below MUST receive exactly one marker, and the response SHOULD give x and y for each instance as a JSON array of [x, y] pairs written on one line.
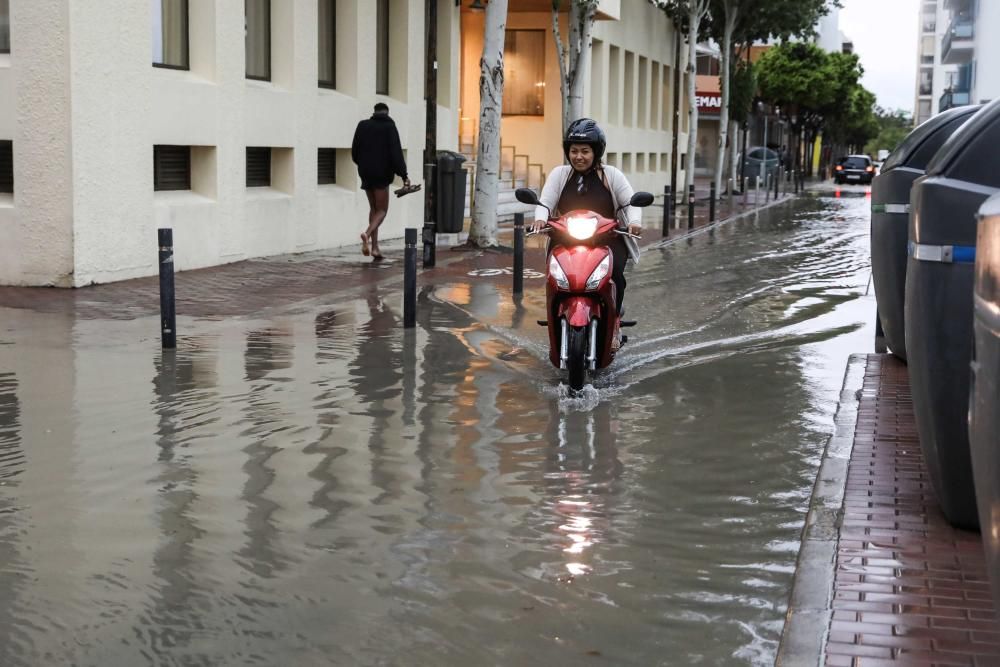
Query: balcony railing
[[953, 98], [953, 50]]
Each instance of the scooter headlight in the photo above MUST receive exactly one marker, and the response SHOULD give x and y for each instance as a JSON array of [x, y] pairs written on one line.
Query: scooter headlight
[[581, 227], [598, 274], [557, 273]]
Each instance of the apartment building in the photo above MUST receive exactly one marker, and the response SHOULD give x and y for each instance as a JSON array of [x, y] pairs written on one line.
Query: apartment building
[[231, 120], [969, 44]]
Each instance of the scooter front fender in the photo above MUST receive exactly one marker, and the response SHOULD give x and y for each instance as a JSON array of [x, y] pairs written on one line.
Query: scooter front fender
[[578, 311]]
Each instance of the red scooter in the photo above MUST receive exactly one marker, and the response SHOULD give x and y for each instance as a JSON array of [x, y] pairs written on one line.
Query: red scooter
[[580, 299]]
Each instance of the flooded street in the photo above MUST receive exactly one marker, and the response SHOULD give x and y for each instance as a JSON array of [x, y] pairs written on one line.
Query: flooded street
[[318, 487]]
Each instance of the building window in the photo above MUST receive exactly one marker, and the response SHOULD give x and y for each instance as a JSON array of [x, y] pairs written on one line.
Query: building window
[[170, 33], [171, 167], [4, 26], [326, 166], [7, 167], [926, 81], [382, 47], [927, 49], [707, 65], [258, 39], [327, 43], [258, 166], [524, 73]]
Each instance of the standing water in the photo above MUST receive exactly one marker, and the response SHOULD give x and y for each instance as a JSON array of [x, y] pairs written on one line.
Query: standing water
[[321, 487]]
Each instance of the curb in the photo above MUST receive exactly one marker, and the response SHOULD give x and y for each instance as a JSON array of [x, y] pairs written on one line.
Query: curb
[[810, 607]]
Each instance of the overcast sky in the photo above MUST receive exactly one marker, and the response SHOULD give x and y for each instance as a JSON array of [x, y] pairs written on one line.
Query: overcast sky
[[885, 37]]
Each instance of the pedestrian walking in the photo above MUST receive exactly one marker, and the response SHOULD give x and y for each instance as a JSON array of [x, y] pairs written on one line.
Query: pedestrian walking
[[377, 151]]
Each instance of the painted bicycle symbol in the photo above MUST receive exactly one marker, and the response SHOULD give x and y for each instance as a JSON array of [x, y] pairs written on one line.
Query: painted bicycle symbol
[[505, 271]]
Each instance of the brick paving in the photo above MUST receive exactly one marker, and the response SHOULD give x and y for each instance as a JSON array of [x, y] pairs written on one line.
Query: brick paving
[[909, 589]]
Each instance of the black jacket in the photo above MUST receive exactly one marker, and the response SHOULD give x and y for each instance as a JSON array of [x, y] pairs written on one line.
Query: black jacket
[[376, 149]]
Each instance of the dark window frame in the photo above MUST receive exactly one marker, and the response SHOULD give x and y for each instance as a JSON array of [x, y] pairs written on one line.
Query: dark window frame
[[381, 58], [326, 166], [332, 83], [267, 44], [6, 49], [254, 179], [187, 42], [6, 167], [163, 173]]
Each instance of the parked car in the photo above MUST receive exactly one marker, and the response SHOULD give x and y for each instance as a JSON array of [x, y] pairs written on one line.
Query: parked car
[[755, 158], [854, 169]]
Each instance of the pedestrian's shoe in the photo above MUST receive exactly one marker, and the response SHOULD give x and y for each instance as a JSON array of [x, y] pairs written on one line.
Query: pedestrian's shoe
[[407, 189]]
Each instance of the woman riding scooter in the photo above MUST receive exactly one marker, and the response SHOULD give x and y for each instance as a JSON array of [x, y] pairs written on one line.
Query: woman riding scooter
[[587, 184]]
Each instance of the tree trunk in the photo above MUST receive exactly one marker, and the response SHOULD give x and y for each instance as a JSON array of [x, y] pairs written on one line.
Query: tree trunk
[[483, 231], [727, 58], [734, 153], [696, 11], [574, 56]]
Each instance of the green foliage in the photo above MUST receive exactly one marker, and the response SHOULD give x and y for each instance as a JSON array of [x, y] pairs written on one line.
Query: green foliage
[[742, 91], [893, 128], [768, 19]]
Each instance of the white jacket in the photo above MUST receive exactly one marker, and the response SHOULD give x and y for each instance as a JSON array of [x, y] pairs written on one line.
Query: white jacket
[[621, 190]]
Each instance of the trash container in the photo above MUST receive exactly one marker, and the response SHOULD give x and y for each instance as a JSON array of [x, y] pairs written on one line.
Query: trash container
[[938, 303], [984, 406], [890, 214], [450, 192]]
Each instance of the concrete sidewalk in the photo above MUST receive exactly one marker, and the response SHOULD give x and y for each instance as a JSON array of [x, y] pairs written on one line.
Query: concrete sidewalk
[[882, 578]]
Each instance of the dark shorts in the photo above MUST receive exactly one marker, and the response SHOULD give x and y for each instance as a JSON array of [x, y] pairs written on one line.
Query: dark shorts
[[377, 182]]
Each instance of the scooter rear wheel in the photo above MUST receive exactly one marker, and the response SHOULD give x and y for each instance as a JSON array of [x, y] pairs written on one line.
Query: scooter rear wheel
[[576, 361]]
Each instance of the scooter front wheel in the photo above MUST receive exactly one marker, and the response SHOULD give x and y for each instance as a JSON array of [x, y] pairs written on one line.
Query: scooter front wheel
[[576, 361]]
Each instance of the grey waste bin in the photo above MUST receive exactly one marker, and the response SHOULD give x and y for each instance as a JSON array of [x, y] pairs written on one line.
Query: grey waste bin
[[890, 214], [984, 406], [450, 192], [938, 307]]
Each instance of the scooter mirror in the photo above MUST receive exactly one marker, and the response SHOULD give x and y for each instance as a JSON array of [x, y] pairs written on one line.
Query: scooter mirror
[[526, 196], [641, 199]]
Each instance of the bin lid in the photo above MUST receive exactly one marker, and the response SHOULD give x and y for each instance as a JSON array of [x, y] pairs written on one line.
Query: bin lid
[[985, 120], [451, 155], [920, 145]]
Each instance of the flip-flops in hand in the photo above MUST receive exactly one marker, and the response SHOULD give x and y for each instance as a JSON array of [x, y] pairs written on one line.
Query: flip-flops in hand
[[407, 189]]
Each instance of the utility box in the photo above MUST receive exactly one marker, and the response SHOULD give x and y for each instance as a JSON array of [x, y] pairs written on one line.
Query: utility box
[[938, 309], [450, 192], [890, 216], [984, 408]]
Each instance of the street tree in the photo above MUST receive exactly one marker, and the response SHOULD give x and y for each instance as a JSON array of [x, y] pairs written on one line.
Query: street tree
[[574, 55], [483, 230], [894, 125], [739, 23]]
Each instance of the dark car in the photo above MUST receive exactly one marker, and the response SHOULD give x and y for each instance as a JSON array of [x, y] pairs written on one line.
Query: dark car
[[854, 169]]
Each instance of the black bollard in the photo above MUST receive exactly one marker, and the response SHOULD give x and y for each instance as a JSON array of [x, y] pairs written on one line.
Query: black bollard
[[711, 202], [691, 206], [519, 253], [168, 313], [777, 184], [668, 209], [410, 279]]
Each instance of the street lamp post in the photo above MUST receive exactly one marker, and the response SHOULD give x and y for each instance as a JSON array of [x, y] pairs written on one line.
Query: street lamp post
[[430, 145]]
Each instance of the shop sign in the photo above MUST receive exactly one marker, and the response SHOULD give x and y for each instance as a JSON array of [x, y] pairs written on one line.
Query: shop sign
[[709, 102]]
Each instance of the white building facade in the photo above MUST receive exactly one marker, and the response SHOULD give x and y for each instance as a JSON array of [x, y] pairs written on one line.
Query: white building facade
[[231, 121], [969, 43]]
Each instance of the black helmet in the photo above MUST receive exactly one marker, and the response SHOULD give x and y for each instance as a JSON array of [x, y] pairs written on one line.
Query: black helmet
[[585, 131]]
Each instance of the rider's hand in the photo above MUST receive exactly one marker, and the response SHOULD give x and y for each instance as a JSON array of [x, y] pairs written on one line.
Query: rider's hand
[[635, 229], [537, 226]]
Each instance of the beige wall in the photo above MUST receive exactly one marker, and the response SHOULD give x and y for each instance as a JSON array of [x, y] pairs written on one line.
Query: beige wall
[[92, 214]]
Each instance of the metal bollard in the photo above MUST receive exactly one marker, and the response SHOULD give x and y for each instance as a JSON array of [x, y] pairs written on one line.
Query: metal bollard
[[711, 201], [519, 253], [410, 278], [756, 193], [777, 184], [691, 206], [668, 209], [767, 187], [168, 312]]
